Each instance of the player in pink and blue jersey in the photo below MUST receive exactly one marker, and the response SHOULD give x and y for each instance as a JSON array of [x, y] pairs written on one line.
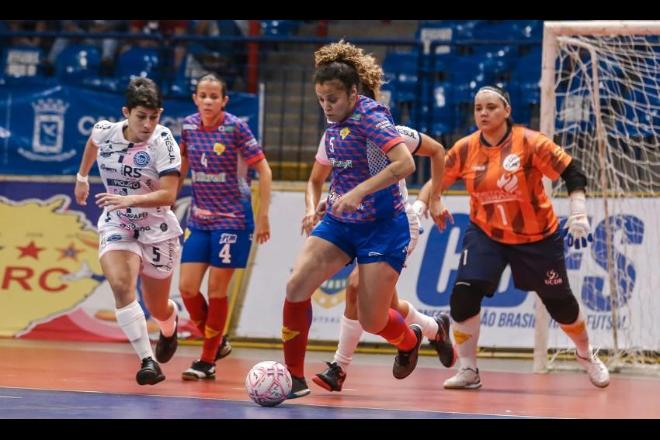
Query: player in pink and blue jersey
[[365, 219], [436, 329], [218, 148]]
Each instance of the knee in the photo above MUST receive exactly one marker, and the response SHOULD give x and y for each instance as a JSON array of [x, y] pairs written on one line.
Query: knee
[[466, 299], [122, 286], [564, 309], [294, 288]]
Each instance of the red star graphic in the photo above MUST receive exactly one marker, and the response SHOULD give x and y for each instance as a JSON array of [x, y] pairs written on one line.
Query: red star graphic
[[31, 250], [70, 252]]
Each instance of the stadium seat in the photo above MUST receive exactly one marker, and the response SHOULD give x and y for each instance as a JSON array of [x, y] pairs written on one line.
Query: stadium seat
[[139, 61], [22, 62], [77, 62], [402, 68]]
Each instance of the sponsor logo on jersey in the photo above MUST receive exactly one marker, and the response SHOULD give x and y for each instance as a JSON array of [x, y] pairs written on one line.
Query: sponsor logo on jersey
[[511, 163], [344, 132], [114, 237], [341, 163], [169, 143], [251, 143], [382, 125], [132, 216], [226, 129], [104, 167], [219, 148], [163, 227], [123, 184], [406, 131], [202, 177], [141, 158], [228, 238], [508, 183], [48, 133]]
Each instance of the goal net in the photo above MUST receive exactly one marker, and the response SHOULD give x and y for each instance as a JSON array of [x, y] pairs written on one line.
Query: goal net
[[601, 102]]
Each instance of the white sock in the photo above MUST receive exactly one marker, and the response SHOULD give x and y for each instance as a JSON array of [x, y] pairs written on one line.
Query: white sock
[[577, 331], [131, 320], [350, 332], [428, 324], [466, 337], [168, 326]]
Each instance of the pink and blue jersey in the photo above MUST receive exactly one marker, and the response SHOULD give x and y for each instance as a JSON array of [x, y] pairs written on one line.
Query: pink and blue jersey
[[356, 148], [219, 158]]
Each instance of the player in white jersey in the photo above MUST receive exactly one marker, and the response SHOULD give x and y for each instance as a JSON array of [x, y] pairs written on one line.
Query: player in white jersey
[[139, 163]]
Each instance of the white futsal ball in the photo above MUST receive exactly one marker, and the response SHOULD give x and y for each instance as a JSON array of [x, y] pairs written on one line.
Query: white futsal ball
[[268, 383]]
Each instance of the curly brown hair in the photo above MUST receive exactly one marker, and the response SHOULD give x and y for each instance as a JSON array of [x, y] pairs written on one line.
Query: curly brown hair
[[370, 73]]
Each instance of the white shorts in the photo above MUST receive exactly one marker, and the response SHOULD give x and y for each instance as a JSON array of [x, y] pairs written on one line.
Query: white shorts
[[158, 259]]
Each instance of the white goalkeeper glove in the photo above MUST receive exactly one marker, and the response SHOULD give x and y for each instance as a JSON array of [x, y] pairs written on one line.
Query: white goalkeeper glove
[[578, 229]]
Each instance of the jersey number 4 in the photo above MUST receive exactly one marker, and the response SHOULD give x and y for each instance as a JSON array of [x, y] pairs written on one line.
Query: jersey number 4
[[225, 253]]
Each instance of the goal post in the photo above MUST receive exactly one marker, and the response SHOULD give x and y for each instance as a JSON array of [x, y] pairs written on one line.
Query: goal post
[[600, 101]]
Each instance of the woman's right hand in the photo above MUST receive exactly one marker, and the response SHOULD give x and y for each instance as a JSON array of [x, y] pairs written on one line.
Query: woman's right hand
[[81, 192]]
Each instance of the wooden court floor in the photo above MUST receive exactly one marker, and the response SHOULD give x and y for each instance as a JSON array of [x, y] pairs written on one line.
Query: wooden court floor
[[47, 379]]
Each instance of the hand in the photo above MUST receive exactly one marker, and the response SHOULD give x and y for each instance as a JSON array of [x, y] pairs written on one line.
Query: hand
[[440, 214], [578, 228], [114, 201], [262, 229], [420, 208], [578, 231], [349, 202], [308, 222], [81, 191]]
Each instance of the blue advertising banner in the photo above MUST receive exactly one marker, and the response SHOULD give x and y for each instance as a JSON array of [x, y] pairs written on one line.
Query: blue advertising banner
[[44, 127]]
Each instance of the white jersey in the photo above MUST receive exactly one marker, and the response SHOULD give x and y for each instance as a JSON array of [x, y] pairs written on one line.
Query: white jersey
[[411, 138], [135, 168]]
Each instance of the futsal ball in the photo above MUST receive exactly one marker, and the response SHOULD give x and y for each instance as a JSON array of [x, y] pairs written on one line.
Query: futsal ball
[[268, 383]]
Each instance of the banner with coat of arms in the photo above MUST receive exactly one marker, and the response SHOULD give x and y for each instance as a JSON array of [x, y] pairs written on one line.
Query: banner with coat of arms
[[44, 127]]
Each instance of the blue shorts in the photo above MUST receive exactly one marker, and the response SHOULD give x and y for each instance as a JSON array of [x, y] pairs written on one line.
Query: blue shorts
[[383, 240], [223, 248], [538, 266]]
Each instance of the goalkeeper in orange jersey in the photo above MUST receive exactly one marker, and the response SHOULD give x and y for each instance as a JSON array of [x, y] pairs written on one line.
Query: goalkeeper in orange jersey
[[512, 222]]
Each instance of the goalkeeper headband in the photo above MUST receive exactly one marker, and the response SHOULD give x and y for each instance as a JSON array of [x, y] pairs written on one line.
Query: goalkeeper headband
[[493, 90]]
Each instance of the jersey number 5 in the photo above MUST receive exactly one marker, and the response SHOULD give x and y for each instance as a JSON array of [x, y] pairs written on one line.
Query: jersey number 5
[[225, 253]]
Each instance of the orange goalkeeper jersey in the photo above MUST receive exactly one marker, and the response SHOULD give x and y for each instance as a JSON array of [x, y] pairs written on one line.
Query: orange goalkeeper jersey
[[507, 199]]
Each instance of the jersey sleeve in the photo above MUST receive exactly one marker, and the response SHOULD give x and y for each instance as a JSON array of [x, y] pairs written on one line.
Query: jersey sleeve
[[101, 132], [378, 127], [411, 138], [248, 145], [549, 157], [168, 160], [321, 154]]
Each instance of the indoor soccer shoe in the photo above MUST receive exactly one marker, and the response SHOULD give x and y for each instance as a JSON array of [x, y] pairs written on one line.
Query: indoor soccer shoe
[[224, 349], [466, 379], [149, 373], [442, 342], [332, 379], [596, 369], [406, 361], [299, 387], [199, 370], [166, 346]]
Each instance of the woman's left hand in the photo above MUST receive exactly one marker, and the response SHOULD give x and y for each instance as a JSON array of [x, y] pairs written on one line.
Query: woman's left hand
[[262, 229], [114, 201]]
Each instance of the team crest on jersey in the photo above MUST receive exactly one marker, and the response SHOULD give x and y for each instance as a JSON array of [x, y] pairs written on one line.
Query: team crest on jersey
[[219, 148], [511, 163], [344, 132], [141, 158], [333, 291]]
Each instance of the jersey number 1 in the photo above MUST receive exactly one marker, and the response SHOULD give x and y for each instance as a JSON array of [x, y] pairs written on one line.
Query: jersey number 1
[[502, 214]]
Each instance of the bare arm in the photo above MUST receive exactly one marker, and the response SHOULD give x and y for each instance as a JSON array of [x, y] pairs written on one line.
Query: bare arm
[[401, 165], [262, 228], [81, 191], [185, 167], [313, 192]]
